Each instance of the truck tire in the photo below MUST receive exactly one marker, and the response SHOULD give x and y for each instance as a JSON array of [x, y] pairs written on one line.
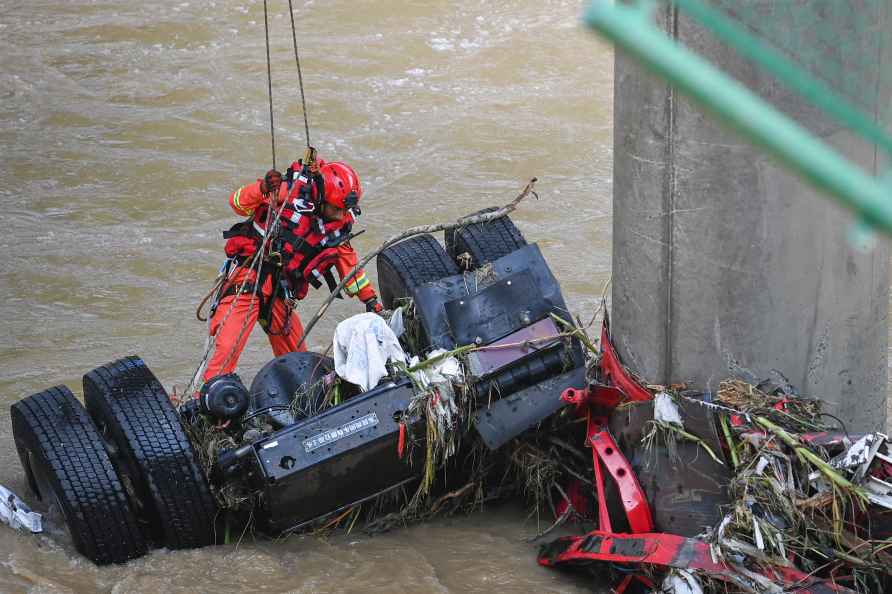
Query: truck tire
[[405, 266], [449, 234], [484, 242], [66, 464], [150, 447]]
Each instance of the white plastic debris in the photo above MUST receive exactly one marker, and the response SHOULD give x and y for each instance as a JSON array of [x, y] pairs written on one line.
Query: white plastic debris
[[438, 379], [666, 410], [396, 322], [879, 491], [760, 465], [858, 458], [857, 462], [817, 480], [362, 346], [445, 371], [15, 513], [757, 533], [680, 581]]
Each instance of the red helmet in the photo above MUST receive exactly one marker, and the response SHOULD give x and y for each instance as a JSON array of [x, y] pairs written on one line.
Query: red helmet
[[342, 187]]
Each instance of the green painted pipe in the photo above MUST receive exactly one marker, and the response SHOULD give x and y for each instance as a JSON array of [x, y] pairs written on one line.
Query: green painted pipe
[[817, 92], [631, 29]]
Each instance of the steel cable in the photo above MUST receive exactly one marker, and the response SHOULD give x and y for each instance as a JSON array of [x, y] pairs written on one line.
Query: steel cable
[[300, 78], [269, 79], [257, 261]]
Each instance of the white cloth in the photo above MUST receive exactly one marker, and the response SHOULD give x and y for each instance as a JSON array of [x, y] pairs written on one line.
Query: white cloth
[[362, 345]]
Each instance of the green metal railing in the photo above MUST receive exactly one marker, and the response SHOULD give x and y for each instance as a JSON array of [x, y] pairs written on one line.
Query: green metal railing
[[633, 29]]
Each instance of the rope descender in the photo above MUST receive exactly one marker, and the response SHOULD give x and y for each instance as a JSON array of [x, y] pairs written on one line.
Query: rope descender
[[309, 160]]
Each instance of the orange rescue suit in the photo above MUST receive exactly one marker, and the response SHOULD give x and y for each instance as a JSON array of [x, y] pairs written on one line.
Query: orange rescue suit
[[235, 315]]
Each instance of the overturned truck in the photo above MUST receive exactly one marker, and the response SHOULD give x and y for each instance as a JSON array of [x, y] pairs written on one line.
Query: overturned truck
[[128, 472]]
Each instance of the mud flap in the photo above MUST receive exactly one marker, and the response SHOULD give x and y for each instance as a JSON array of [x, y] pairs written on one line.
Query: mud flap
[[512, 415]]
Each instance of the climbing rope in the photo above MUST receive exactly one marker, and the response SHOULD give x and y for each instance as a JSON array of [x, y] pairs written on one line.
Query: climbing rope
[[269, 80], [269, 77], [255, 265], [300, 78], [272, 214]]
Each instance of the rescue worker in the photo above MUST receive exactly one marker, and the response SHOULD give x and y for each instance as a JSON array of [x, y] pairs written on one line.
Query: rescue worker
[[317, 207]]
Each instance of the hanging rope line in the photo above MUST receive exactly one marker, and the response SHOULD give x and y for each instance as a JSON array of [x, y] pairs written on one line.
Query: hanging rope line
[[269, 79], [272, 217], [300, 78]]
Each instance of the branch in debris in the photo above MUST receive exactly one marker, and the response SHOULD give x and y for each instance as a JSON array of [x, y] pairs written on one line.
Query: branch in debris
[[577, 332], [471, 348], [732, 447]]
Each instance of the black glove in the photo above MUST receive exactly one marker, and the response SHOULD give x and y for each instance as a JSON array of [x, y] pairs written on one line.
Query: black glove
[[372, 305]]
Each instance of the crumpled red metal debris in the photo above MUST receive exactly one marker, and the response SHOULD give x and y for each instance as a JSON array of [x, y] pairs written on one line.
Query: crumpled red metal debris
[[642, 545]]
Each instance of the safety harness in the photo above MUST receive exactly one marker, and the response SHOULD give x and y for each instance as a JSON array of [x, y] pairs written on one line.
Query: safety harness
[[301, 254]]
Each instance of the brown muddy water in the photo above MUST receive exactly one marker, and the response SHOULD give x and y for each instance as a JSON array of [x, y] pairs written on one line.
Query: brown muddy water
[[124, 126]]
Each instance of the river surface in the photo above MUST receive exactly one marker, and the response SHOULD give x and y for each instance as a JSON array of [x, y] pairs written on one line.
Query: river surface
[[125, 125]]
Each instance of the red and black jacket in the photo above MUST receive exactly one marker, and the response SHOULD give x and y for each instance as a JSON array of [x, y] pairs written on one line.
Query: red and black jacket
[[306, 245]]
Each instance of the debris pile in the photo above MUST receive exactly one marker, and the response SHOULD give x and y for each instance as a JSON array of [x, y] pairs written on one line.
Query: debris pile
[[805, 494], [805, 505]]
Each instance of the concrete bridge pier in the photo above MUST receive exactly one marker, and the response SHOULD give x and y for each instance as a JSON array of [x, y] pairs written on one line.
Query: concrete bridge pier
[[722, 260]]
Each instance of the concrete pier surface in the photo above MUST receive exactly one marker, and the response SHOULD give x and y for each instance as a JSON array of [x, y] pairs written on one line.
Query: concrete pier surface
[[723, 261]]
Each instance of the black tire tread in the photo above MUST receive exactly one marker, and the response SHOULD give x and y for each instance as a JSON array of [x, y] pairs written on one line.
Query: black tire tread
[[449, 234], [54, 426], [488, 241], [171, 483], [405, 266]]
